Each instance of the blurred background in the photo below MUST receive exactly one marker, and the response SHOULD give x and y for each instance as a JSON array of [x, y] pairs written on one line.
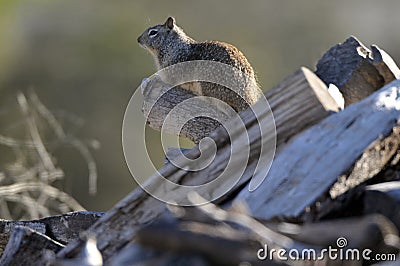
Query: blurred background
[[82, 60]]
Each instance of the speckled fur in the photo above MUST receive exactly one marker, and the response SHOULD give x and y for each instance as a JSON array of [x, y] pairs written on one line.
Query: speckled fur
[[171, 45]]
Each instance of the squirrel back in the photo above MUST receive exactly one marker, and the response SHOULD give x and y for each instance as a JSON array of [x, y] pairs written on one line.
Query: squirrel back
[[169, 45]]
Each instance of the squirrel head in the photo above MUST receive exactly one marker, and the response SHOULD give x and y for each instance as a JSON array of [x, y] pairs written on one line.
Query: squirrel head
[[159, 39]]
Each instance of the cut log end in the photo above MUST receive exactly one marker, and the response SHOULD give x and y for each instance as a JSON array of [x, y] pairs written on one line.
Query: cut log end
[[355, 70]]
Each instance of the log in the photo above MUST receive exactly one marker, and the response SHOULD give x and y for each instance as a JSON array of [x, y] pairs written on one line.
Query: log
[[228, 237], [135, 254], [225, 245], [369, 231], [383, 198], [27, 247], [156, 107], [219, 244], [345, 197], [298, 102], [317, 158], [384, 64], [195, 129], [61, 228], [373, 160], [88, 256], [204, 232], [356, 70], [302, 181]]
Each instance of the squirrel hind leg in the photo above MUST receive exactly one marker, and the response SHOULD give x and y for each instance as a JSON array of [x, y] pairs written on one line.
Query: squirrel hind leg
[[236, 101]]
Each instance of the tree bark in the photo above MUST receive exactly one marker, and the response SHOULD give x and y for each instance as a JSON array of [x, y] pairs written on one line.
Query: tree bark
[[318, 157], [356, 70], [298, 102], [27, 247], [311, 176]]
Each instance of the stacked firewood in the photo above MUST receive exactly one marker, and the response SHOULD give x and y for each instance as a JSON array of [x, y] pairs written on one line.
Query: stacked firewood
[[331, 195]]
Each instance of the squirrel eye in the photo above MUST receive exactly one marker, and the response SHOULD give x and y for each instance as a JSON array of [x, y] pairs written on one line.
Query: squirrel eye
[[153, 33]]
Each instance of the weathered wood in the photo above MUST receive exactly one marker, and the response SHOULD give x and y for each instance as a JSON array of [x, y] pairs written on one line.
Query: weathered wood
[[384, 198], [378, 155], [89, 255], [61, 228], [314, 160], [355, 70], [205, 231], [195, 129], [218, 243], [216, 240], [378, 163], [298, 102], [173, 153], [315, 169], [135, 254], [27, 247], [384, 64], [391, 171], [200, 127], [223, 244], [368, 231]]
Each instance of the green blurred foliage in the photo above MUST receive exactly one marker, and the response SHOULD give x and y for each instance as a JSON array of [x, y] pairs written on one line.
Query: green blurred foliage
[[82, 57]]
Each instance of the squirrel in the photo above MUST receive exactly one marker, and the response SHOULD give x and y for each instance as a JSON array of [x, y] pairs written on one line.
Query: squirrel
[[169, 45]]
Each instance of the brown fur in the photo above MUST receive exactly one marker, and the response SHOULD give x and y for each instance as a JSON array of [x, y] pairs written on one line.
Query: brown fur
[[169, 45]]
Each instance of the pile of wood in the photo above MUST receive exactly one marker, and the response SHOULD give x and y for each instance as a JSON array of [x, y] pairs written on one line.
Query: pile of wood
[[334, 183]]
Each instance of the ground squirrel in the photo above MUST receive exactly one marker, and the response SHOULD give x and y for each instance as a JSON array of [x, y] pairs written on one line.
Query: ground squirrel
[[170, 45]]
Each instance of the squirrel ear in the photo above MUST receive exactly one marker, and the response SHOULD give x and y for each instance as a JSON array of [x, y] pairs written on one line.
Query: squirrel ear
[[170, 23]]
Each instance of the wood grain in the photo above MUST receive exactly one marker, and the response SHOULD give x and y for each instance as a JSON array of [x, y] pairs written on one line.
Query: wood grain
[[314, 161], [298, 102]]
